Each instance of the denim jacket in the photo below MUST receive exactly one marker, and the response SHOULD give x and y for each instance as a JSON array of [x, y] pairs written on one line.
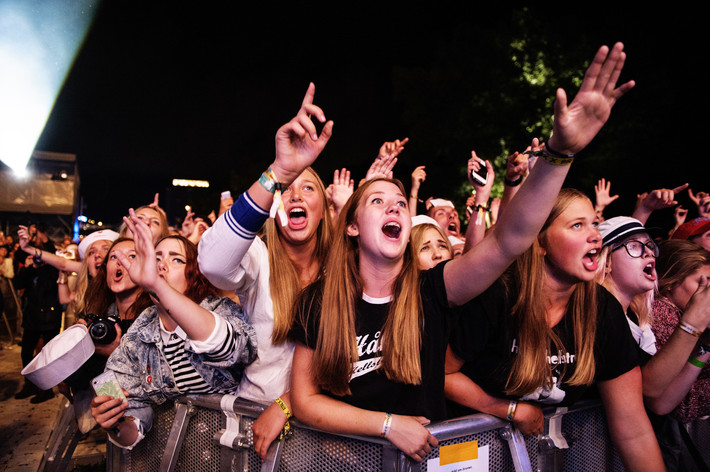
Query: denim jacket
[[143, 371]]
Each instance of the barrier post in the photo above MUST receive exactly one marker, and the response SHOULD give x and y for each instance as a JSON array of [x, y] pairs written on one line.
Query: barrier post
[[183, 412]]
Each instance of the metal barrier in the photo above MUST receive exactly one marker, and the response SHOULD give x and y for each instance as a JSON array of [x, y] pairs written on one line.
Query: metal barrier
[[219, 437]]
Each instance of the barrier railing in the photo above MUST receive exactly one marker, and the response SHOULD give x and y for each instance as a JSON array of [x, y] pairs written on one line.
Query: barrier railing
[[213, 432]]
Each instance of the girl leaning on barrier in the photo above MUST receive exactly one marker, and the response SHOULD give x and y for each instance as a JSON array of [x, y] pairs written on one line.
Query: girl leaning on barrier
[[189, 342], [545, 332], [371, 334], [268, 277]]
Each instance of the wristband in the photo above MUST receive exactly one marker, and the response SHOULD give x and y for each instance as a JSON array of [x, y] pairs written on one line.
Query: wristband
[[480, 207], [268, 180], [513, 183], [284, 408], [554, 157], [271, 183], [287, 426], [690, 329], [387, 425], [512, 406], [696, 362]]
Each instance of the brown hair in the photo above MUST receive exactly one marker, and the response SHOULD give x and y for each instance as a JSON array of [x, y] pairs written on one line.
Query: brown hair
[[284, 282], [678, 259], [530, 368], [99, 297], [336, 349], [198, 287]]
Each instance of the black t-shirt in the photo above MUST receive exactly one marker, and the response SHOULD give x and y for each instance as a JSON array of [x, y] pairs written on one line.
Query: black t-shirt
[[485, 338], [370, 388]]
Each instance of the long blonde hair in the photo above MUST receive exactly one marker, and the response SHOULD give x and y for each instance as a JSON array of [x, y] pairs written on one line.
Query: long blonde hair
[[530, 367], [336, 349], [285, 285]]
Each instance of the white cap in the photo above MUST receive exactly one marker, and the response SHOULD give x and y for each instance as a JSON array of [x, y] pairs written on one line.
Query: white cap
[[422, 219], [101, 235], [440, 202], [60, 357]]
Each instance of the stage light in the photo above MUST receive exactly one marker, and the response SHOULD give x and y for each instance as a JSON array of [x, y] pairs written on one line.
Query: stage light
[[39, 40]]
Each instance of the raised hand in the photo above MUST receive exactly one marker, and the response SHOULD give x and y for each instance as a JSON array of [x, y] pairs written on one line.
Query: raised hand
[[418, 176], [188, 224], [576, 125], [702, 201], [23, 236], [143, 270], [381, 167], [298, 143], [679, 215], [392, 149], [340, 190], [602, 190], [483, 192], [660, 198]]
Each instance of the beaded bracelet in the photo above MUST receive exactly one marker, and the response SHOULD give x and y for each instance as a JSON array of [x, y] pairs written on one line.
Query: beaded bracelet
[[387, 425], [690, 329]]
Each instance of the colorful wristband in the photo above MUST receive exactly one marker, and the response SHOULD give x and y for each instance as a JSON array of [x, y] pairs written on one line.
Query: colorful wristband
[[512, 406], [284, 408], [387, 425], [690, 329]]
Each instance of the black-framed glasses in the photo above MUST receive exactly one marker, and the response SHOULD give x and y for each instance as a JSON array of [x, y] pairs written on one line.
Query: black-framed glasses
[[635, 248]]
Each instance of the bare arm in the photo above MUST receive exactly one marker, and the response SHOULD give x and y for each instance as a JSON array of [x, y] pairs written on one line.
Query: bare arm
[[655, 200], [328, 414], [476, 229], [629, 426], [574, 127], [50, 258]]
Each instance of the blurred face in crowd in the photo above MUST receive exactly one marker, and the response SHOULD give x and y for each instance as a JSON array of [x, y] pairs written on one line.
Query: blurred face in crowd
[[116, 275], [95, 256], [151, 217], [702, 240], [681, 293], [448, 219], [172, 260]]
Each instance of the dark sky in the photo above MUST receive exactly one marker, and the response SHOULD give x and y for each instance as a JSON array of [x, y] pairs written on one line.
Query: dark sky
[[161, 92]]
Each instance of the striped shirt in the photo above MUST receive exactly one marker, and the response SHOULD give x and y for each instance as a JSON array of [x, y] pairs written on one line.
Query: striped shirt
[[216, 348]]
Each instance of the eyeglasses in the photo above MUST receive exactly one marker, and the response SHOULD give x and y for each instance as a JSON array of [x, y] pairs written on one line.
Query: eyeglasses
[[635, 248]]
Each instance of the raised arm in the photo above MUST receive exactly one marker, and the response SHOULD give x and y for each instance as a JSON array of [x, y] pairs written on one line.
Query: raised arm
[[603, 197], [50, 258], [657, 199], [298, 143], [197, 322], [575, 125], [418, 176], [476, 230]]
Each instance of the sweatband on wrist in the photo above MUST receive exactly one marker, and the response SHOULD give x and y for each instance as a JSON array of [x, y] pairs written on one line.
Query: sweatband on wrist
[[690, 329], [513, 183], [387, 425]]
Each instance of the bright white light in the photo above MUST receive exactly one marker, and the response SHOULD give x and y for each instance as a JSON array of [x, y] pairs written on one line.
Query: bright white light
[[38, 43], [190, 183]]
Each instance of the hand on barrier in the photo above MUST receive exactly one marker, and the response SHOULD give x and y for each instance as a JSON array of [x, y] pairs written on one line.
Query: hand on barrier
[[410, 436], [529, 419], [266, 428]]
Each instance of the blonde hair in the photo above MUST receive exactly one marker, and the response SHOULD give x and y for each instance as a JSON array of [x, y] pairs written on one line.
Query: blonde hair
[[336, 348], [285, 284], [641, 303], [530, 367], [416, 239]]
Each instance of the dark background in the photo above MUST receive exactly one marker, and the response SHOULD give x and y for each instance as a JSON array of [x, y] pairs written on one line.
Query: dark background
[[162, 91]]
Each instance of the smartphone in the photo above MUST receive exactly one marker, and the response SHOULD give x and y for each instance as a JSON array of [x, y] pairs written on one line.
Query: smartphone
[[107, 384], [226, 194], [481, 175]]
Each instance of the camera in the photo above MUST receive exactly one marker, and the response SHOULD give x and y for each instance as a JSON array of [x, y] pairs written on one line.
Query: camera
[[102, 329]]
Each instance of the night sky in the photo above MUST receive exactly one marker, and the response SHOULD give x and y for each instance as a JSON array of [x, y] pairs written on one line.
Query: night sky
[[166, 91]]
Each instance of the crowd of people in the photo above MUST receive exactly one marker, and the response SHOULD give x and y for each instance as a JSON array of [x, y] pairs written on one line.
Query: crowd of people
[[340, 306]]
